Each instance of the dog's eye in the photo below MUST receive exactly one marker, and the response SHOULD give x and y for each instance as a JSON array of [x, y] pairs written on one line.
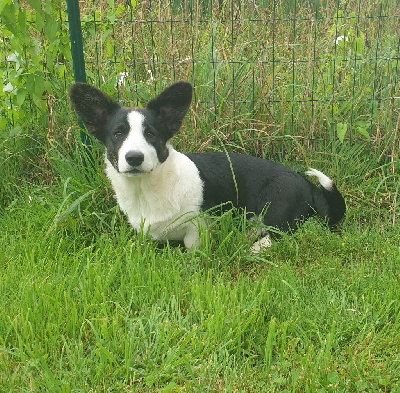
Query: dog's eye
[[118, 134], [149, 132]]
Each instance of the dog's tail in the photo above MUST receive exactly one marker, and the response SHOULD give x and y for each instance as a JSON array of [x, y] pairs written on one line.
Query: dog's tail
[[329, 202]]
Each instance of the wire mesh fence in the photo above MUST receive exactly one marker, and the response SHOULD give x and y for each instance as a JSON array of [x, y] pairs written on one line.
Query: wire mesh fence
[[322, 70]]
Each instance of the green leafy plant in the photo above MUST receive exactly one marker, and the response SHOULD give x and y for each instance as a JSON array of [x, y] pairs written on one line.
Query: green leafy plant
[[35, 63]]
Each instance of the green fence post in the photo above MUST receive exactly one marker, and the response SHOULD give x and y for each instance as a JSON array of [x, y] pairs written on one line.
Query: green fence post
[[78, 59]]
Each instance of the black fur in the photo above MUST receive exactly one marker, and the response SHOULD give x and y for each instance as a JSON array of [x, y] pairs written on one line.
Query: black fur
[[171, 106], [103, 116], [265, 188]]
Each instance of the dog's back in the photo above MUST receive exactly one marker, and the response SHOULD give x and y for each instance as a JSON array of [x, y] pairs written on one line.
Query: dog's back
[[266, 188], [162, 190]]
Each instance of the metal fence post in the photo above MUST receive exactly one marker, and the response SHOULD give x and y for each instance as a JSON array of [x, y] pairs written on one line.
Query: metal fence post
[[78, 60]]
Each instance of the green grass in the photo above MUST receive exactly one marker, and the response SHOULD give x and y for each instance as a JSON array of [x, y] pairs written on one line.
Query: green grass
[[87, 305]]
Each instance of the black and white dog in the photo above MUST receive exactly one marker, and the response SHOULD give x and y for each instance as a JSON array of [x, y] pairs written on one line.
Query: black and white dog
[[162, 190]]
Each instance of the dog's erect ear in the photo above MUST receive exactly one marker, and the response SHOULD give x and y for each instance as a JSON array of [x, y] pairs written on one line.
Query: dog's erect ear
[[171, 106], [93, 107]]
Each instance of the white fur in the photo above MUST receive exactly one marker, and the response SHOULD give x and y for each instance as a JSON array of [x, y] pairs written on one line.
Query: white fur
[[135, 141], [166, 201], [324, 180], [261, 244]]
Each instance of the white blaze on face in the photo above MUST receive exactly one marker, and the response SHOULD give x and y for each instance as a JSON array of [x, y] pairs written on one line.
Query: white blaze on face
[[136, 142]]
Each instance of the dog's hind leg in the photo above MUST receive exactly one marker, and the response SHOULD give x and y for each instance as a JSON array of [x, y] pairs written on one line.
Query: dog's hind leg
[[261, 244], [261, 235]]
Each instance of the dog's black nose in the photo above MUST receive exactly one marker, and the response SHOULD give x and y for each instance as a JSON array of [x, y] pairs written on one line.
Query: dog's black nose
[[134, 158]]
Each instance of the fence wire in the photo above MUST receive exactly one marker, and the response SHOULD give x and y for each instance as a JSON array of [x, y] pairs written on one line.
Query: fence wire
[[311, 70]]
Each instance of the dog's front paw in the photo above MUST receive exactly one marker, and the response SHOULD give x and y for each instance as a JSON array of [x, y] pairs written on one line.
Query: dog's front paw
[[192, 238]]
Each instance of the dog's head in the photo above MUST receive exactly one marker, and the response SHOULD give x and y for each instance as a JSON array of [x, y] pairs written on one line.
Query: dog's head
[[136, 139]]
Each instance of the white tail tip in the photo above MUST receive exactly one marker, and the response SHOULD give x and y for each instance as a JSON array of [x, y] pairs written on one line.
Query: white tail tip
[[324, 180]]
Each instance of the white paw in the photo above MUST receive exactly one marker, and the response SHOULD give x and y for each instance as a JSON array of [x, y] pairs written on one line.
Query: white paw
[[261, 244]]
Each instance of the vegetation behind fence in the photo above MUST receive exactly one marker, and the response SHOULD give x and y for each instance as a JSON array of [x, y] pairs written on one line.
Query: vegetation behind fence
[[262, 71]]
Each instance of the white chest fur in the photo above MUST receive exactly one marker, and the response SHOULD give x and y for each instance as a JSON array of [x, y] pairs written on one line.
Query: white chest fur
[[163, 202]]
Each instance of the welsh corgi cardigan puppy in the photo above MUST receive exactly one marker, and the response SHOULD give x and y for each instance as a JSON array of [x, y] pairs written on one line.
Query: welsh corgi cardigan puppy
[[162, 191]]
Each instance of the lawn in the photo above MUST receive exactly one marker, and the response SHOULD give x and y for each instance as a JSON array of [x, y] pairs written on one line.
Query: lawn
[[88, 305]]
